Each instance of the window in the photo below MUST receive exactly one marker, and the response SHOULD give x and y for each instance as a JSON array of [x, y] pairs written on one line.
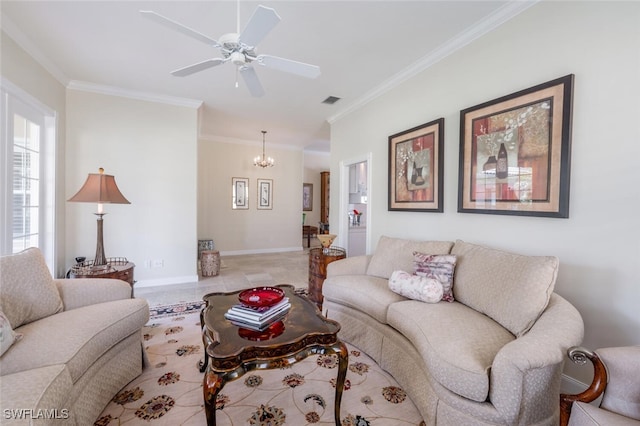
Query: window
[[27, 164]]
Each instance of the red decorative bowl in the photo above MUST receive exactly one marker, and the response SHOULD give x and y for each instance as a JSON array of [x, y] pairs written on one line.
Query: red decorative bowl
[[260, 297], [274, 330]]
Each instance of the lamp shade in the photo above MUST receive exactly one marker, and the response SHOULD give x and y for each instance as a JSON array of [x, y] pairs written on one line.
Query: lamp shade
[[100, 188]]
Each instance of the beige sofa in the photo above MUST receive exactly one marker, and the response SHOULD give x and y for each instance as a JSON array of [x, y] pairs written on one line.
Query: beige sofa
[[493, 356], [68, 346]]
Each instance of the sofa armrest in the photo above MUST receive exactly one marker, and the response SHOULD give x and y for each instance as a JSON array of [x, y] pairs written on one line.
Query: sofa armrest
[[79, 292], [356, 265], [526, 373]]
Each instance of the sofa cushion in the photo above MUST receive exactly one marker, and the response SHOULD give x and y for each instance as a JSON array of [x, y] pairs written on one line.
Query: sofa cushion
[[370, 295], [7, 335], [27, 292], [396, 254], [76, 338], [416, 287], [437, 266], [457, 343], [584, 414], [623, 390], [486, 278]]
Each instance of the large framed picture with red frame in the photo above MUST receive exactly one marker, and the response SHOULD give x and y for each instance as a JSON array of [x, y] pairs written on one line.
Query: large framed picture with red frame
[[515, 153]]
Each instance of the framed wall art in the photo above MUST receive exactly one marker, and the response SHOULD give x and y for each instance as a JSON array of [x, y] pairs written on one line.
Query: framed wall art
[[307, 197], [239, 193], [515, 153], [265, 194], [416, 165]]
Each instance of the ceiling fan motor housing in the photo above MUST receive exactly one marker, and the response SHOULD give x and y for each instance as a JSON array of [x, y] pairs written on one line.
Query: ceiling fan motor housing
[[234, 49]]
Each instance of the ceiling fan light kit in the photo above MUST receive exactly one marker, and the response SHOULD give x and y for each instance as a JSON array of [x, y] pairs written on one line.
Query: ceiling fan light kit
[[239, 49]]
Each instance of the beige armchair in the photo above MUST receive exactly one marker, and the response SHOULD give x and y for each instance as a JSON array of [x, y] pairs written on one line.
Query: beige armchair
[[616, 378]]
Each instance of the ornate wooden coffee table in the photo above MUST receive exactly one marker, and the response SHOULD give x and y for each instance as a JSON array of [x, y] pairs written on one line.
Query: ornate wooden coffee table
[[230, 351]]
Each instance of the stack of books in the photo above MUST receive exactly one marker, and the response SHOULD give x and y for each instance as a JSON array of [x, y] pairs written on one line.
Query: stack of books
[[255, 318]]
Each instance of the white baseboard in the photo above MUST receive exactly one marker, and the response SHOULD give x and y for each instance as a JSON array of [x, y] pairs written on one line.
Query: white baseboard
[[571, 386], [167, 281]]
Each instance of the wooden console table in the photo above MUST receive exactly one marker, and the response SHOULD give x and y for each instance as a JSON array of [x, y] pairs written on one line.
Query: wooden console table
[[117, 267], [318, 261]]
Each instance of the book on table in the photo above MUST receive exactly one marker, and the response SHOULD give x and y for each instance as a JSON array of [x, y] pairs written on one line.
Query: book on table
[[259, 326], [257, 317]]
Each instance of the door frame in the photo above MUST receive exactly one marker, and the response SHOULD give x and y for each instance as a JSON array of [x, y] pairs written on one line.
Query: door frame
[[343, 218]]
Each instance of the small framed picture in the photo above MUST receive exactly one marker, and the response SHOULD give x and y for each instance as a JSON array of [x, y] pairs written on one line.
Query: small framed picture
[[239, 193], [416, 166], [265, 194], [307, 197]]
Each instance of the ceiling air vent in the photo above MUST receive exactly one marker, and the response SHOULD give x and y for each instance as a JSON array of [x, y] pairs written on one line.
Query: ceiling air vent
[[331, 100]]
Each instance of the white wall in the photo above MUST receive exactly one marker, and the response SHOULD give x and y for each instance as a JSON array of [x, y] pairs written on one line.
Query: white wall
[[599, 245], [151, 150], [23, 71], [251, 230]]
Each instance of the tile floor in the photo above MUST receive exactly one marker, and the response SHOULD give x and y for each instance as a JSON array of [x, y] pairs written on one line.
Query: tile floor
[[238, 272]]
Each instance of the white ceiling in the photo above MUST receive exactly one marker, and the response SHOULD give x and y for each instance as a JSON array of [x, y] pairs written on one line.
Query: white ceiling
[[361, 47]]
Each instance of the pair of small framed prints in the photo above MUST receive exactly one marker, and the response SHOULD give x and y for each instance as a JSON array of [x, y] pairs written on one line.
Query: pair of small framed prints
[[240, 194]]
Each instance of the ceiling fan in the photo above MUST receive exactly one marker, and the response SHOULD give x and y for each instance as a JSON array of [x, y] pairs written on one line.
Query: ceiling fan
[[239, 48]]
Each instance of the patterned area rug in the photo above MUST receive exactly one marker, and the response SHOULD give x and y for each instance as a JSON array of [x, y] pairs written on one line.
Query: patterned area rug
[[169, 391], [162, 311]]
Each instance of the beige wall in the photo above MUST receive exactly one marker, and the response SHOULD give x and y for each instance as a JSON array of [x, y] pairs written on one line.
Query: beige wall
[[251, 230], [151, 150], [23, 71], [599, 245]]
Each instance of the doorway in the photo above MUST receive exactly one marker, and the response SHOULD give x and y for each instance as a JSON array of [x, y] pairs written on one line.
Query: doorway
[[355, 202]]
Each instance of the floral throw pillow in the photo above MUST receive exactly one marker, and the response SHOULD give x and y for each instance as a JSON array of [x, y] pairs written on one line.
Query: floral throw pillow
[[7, 335], [437, 266], [415, 287]]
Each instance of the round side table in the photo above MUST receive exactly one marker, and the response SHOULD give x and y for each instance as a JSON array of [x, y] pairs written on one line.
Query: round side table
[[318, 261]]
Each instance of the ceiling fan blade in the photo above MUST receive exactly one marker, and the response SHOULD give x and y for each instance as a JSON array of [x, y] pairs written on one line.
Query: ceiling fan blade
[[251, 80], [263, 20], [156, 17], [287, 65], [191, 69]]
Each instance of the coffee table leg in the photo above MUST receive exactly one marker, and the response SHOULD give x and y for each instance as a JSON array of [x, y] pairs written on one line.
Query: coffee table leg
[[343, 360], [211, 386], [203, 364]]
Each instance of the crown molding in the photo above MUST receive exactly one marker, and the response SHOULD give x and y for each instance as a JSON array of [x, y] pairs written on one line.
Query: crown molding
[[488, 24], [12, 30], [28, 46], [133, 94]]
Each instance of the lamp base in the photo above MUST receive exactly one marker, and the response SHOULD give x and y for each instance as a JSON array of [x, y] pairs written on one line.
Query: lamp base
[[100, 258]]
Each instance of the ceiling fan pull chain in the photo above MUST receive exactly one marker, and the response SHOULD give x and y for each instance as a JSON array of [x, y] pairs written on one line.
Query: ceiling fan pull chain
[[236, 77]]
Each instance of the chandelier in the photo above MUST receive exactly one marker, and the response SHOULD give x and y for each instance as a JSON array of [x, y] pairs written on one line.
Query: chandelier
[[263, 161]]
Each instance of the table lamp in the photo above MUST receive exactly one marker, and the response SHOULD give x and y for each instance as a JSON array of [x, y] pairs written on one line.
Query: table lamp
[[100, 188]]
